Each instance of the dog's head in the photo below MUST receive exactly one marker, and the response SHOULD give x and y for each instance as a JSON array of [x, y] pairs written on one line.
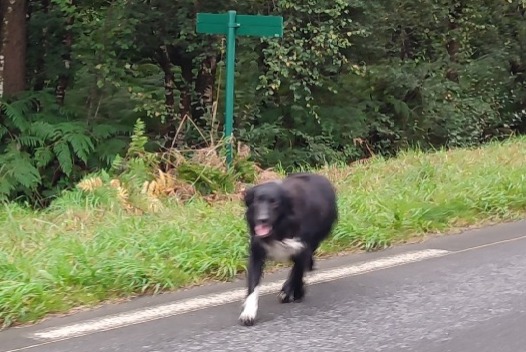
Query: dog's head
[[268, 204]]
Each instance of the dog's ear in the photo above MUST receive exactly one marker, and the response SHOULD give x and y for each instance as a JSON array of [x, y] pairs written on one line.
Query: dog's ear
[[248, 197]]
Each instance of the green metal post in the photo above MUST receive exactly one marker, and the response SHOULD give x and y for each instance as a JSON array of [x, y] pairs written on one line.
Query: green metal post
[[230, 69], [231, 25]]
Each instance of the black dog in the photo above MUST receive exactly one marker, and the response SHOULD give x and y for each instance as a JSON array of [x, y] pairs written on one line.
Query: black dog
[[287, 221]]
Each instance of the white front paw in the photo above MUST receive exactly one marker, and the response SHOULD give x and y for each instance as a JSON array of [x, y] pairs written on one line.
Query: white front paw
[[250, 308], [247, 318]]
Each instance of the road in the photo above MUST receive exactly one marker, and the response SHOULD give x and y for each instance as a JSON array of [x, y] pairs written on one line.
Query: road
[[462, 293]]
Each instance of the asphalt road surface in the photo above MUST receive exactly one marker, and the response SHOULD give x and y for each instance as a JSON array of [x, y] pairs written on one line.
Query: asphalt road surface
[[462, 293]]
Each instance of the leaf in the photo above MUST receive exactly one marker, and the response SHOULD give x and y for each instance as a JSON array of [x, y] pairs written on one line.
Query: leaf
[[138, 139], [43, 155], [30, 141], [110, 149], [3, 131], [5, 190], [15, 116], [81, 145], [102, 131], [43, 130], [64, 157], [20, 169]]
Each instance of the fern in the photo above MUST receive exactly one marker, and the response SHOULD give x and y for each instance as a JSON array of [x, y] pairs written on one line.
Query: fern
[[138, 139], [43, 155], [3, 131], [30, 141], [102, 131], [110, 150], [6, 187], [36, 135], [117, 164], [64, 157], [81, 144], [16, 112], [43, 130], [17, 165], [25, 172]]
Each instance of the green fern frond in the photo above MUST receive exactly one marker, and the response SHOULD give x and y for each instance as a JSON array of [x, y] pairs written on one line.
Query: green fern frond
[[16, 115], [64, 157], [17, 168], [30, 141], [103, 131], [138, 139], [24, 105], [3, 131], [43, 155], [108, 150], [117, 164], [43, 130], [81, 144], [36, 134], [6, 186], [24, 171], [75, 127]]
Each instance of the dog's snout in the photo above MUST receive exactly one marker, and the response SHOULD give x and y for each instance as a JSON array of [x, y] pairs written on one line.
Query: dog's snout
[[263, 216], [263, 219]]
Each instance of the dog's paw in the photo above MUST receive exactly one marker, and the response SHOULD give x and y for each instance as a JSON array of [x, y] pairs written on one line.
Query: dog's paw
[[285, 297], [247, 319], [250, 309]]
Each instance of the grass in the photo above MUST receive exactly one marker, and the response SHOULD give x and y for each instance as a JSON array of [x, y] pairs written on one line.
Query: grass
[[85, 249]]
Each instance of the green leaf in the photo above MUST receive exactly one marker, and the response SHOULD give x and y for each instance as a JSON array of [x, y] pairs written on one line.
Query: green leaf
[[81, 145], [43, 155], [64, 157]]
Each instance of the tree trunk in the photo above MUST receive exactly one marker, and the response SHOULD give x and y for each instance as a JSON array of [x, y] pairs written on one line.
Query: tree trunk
[[169, 82], [65, 77], [172, 122], [406, 50], [453, 45], [174, 131], [40, 74], [204, 87], [13, 47], [185, 87]]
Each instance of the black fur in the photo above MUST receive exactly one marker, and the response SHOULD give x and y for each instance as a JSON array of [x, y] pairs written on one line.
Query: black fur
[[302, 206]]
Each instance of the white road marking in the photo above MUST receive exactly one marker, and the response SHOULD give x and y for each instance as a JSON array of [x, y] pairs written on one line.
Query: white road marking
[[111, 322]]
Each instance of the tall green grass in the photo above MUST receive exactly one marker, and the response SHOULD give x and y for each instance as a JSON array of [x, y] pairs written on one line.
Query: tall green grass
[[84, 249]]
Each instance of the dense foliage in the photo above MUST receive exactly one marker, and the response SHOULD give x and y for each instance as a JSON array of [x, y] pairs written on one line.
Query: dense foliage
[[350, 78]]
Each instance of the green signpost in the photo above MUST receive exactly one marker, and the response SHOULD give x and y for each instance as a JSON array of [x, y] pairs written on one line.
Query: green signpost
[[232, 24]]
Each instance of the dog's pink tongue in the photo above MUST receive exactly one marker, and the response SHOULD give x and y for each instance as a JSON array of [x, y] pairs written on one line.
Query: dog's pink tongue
[[262, 230]]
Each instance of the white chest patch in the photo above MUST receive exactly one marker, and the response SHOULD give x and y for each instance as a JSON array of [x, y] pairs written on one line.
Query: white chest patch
[[282, 251]]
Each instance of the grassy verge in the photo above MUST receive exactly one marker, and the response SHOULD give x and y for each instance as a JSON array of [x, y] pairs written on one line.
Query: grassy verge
[[84, 249]]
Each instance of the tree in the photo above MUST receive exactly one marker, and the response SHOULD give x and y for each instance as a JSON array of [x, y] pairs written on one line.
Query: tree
[[13, 47]]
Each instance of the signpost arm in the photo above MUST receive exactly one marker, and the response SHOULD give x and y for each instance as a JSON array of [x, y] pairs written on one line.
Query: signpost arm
[[230, 70]]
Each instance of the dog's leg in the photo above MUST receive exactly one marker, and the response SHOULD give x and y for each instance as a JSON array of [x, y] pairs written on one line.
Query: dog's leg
[[294, 289], [311, 262], [314, 247], [255, 272]]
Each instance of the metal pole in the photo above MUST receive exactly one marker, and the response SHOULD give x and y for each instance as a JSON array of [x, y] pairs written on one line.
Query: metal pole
[[230, 69]]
